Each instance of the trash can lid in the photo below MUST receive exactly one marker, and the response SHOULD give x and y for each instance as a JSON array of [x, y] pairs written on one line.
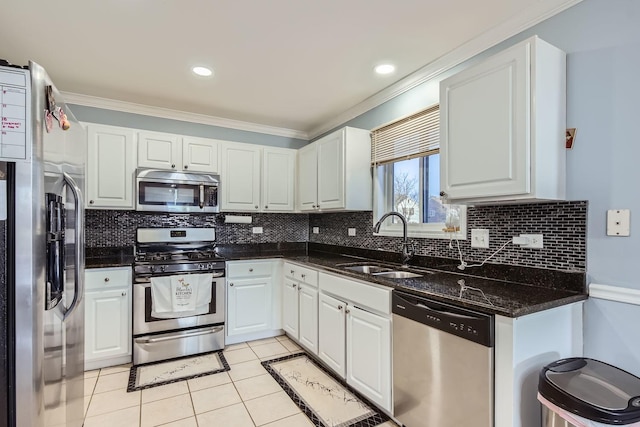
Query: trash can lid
[[592, 389]]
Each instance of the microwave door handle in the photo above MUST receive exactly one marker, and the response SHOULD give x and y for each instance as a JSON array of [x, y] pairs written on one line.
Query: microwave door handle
[[201, 196], [79, 249]]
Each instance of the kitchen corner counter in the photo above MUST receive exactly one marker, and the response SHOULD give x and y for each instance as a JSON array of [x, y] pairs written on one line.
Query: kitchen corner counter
[[491, 296]]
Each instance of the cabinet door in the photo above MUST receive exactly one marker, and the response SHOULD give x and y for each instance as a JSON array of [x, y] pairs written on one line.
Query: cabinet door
[[200, 154], [159, 151], [369, 355], [308, 307], [331, 170], [240, 177], [111, 163], [278, 175], [485, 129], [332, 333], [248, 305], [290, 308], [307, 178], [107, 324]]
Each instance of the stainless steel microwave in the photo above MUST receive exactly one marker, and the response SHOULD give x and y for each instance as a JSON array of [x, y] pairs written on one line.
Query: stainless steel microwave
[[170, 191]]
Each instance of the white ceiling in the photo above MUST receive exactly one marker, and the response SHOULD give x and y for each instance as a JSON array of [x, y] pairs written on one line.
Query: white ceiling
[[292, 64]]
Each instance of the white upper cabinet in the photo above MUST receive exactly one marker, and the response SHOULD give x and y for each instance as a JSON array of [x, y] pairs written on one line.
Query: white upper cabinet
[[257, 179], [278, 179], [502, 127], [335, 172], [111, 162], [174, 152]]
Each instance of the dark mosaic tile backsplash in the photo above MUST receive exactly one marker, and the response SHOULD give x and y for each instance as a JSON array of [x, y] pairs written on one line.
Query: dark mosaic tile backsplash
[[563, 224], [107, 228]]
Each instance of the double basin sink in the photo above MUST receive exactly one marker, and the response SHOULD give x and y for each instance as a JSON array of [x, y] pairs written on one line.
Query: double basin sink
[[378, 271]]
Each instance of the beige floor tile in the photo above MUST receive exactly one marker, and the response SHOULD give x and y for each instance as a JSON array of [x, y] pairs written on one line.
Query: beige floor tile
[[208, 381], [129, 417], [110, 401], [270, 408], [282, 337], [257, 386], [185, 422], [291, 346], [87, 400], [298, 420], [90, 385], [236, 346], [262, 342], [239, 356], [112, 382], [214, 398], [270, 350], [166, 410], [91, 374], [245, 370], [115, 369], [164, 391], [388, 424], [229, 416]]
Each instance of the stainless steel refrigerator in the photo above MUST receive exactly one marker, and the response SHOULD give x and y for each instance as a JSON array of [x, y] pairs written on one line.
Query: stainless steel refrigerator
[[42, 156]]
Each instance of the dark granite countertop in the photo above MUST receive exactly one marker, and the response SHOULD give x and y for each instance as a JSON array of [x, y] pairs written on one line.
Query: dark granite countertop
[[108, 257]]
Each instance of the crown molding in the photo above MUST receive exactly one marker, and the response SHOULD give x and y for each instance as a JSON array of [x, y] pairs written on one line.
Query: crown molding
[[528, 18], [166, 113], [614, 293]]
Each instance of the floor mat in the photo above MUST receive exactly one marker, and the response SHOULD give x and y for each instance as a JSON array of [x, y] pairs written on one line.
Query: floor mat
[[324, 398], [161, 373]]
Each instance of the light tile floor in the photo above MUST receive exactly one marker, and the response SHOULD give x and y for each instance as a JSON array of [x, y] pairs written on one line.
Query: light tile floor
[[245, 396]]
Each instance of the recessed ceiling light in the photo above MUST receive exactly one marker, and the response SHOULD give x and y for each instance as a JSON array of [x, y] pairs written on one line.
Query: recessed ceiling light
[[385, 69], [202, 71]]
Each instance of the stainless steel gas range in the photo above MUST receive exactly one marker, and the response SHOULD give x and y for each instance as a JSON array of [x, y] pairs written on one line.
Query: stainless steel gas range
[[163, 254]]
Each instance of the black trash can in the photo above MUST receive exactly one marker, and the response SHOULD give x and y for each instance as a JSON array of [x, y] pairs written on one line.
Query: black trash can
[[589, 389]]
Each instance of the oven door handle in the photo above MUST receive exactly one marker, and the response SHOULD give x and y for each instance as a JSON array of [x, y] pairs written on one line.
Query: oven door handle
[[179, 336], [216, 275], [201, 196]]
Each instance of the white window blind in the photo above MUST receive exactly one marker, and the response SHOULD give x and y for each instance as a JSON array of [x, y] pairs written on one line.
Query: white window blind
[[415, 136]]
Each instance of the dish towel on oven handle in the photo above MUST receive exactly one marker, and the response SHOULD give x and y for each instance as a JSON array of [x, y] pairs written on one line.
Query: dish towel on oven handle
[[180, 295]]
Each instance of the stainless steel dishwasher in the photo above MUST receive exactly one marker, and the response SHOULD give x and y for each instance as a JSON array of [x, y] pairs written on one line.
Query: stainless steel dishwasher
[[442, 364]]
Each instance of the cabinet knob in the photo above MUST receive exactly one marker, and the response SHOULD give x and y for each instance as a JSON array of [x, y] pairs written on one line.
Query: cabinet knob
[[124, 294], [303, 275], [443, 194], [292, 271], [90, 202], [251, 270], [318, 206], [340, 307], [106, 279], [294, 286], [347, 311], [256, 206], [230, 284], [313, 206], [266, 206], [173, 166], [186, 166]]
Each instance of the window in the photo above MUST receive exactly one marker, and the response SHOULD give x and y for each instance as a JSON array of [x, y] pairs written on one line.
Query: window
[[407, 178]]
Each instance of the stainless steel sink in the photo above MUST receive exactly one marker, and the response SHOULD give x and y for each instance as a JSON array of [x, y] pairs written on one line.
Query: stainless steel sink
[[397, 274], [367, 269]]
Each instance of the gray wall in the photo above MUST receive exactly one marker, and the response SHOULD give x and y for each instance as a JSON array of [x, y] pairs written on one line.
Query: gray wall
[[602, 41], [139, 121]]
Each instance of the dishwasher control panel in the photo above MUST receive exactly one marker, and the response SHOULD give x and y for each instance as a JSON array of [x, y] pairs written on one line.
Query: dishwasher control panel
[[468, 324]]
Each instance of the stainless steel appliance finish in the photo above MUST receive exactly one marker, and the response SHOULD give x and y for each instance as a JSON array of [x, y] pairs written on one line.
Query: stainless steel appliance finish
[[442, 364], [551, 419], [172, 191], [165, 252], [45, 231]]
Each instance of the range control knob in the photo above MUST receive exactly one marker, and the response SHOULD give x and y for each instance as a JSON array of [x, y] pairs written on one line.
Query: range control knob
[[162, 268], [151, 269]]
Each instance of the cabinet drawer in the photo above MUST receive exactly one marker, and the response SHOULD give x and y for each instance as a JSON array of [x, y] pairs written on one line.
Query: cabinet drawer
[[107, 278], [249, 269], [363, 295], [302, 274]]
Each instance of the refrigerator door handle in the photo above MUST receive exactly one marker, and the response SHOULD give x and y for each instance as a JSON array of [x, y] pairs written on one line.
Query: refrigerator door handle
[[79, 246]]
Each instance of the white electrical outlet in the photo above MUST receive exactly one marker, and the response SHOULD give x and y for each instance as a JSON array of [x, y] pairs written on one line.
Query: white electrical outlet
[[257, 230], [316, 230], [479, 238], [352, 232], [618, 222], [535, 241]]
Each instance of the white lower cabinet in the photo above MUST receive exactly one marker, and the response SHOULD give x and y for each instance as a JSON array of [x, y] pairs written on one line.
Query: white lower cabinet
[[107, 317], [300, 305], [308, 312], [253, 301], [354, 331]]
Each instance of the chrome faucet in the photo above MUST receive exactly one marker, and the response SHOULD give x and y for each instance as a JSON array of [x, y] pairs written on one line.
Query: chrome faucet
[[407, 248]]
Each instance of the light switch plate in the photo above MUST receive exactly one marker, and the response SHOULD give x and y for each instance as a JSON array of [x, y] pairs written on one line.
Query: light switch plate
[[619, 222], [316, 230], [257, 230], [479, 238], [352, 232]]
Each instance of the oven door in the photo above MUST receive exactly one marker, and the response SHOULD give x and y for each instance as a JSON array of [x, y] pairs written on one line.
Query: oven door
[[145, 323]]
